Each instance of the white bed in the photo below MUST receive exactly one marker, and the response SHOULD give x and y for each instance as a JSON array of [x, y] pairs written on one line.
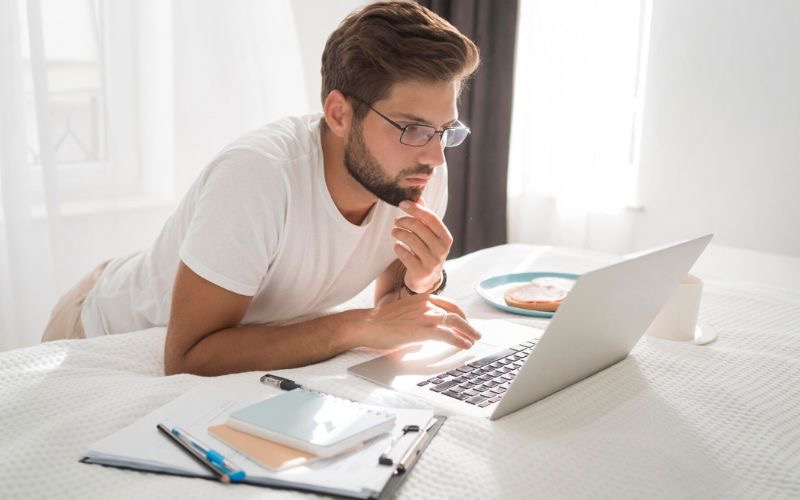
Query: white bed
[[674, 420]]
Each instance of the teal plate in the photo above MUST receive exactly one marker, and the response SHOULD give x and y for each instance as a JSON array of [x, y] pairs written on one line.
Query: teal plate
[[493, 289]]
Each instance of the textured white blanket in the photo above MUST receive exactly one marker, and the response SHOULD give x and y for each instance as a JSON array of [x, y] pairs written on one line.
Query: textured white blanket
[[674, 420]]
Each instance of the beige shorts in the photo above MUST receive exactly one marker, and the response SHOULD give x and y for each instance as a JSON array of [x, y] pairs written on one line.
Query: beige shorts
[[65, 320]]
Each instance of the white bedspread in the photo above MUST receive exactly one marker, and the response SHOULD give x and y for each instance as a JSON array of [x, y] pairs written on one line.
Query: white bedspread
[[674, 420]]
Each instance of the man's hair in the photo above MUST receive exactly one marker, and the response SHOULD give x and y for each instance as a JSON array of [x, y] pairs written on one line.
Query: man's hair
[[392, 42]]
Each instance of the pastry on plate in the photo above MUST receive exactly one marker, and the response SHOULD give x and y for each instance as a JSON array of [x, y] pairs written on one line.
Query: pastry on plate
[[539, 294]]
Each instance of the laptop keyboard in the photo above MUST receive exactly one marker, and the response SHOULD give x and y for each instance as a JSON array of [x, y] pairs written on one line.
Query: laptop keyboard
[[483, 381]]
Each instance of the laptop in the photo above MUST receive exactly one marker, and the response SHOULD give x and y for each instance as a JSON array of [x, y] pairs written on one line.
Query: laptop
[[513, 365]]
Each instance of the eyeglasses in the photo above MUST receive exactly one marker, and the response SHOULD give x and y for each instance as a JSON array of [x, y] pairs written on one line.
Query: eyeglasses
[[418, 135]]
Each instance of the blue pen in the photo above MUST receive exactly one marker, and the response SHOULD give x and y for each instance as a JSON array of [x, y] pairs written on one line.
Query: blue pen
[[211, 458]]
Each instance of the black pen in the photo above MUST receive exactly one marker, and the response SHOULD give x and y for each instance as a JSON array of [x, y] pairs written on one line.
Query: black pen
[[221, 466], [280, 382]]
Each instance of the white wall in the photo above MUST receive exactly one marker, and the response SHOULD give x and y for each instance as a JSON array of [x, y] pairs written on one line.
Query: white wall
[[316, 20], [290, 67], [721, 130]]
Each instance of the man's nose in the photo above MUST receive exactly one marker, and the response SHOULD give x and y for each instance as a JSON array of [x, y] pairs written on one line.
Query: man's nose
[[433, 152]]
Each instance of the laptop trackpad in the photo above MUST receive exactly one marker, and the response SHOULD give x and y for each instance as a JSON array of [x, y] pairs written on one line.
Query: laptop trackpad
[[405, 367]]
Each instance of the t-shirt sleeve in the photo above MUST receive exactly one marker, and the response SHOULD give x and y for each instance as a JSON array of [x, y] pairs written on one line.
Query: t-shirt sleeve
[[235, 227]]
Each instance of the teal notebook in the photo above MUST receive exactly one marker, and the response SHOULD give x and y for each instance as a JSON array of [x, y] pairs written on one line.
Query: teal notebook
[[313, 422]]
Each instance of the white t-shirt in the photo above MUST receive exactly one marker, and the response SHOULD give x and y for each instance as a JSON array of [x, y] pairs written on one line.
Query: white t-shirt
[[259, 221]]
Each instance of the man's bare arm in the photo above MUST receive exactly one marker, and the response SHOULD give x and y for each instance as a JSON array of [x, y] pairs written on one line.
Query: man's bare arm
[[203, 336]]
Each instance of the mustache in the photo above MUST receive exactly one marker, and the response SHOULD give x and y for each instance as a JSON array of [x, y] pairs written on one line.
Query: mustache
[[419, 169]]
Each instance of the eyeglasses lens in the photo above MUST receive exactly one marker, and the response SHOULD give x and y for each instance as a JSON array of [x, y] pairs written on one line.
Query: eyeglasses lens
[[420, 135]]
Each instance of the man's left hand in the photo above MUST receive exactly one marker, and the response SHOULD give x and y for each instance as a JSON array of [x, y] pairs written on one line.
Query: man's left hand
[[427, 244]]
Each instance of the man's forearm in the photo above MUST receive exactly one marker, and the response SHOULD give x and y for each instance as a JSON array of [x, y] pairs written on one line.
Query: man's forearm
[[268, 347]]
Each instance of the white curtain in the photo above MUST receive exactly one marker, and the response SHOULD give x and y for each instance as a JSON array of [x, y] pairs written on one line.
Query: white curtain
[[575, 127], [110, 108]]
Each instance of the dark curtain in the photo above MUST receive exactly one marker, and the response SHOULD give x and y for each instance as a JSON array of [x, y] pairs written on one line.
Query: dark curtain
[[476, 212]]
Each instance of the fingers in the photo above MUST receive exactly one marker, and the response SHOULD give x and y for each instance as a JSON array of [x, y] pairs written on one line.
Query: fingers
[[428, 218], [453, 338], [423, 243], [452, 328], [418, 228], [420, 239], [447, 304], [409, 259], [420, 248], [460, 326]]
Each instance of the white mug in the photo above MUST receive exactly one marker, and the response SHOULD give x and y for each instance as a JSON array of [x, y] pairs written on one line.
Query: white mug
[[678, 318]]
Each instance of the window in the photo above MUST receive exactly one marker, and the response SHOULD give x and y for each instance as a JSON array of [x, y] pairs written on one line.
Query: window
[[577, 104], [66, 44]]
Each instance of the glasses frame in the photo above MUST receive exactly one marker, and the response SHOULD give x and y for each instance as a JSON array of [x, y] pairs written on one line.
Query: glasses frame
[[403, 128]]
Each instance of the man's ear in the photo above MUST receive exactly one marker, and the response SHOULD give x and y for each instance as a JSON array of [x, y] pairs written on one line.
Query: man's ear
[[338, 113]]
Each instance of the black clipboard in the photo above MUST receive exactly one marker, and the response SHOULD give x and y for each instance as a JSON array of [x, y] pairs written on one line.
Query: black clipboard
[[388, 491], [396, 481]]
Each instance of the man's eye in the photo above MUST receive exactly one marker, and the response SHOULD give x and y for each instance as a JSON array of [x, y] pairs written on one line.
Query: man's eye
[[419, 130]]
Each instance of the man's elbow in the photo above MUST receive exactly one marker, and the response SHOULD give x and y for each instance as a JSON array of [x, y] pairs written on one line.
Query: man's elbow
[[175, 361], [174, 365]]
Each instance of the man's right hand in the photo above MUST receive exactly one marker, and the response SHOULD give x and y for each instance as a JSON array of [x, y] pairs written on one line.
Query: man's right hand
[[414, 319]]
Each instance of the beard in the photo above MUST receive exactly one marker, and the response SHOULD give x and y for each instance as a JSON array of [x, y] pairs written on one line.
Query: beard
[[368, 172]]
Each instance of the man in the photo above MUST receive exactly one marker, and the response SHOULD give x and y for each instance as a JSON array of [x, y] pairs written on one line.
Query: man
[[301, 215]]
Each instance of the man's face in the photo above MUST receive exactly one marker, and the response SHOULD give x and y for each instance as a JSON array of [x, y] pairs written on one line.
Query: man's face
[[374, 155]]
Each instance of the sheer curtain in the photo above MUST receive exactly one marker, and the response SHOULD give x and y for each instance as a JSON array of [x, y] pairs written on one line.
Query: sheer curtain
[[110, 108], [575, 127]]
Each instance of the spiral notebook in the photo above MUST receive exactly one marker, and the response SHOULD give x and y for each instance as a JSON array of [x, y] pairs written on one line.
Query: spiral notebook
[[313, 422]]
